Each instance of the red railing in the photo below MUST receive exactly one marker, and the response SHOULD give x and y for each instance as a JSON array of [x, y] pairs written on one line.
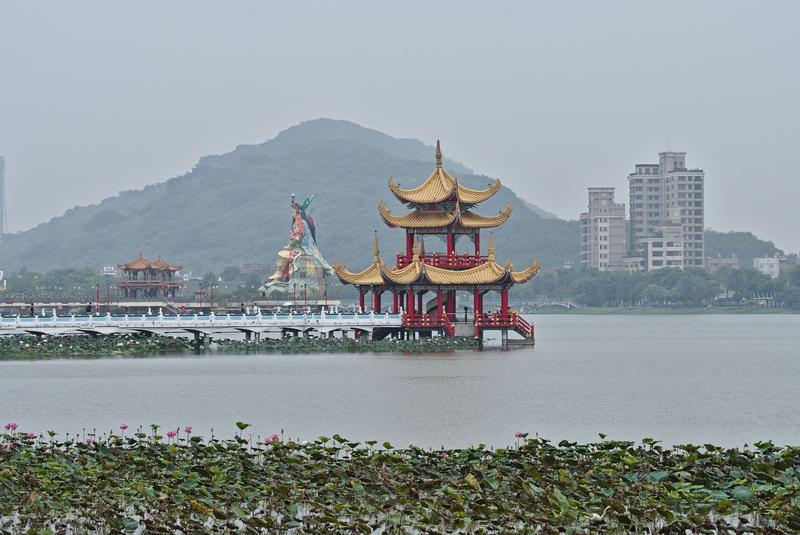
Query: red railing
[[428, 321], [510, 321], [445, 261]]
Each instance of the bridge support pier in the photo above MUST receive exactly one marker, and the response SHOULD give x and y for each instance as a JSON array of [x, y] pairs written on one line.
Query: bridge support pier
[[504, 338], [248, 336]]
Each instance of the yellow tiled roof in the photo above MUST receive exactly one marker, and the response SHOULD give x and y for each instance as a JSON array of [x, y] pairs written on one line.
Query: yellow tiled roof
[[417, 271], [440, 186], [443, 218]]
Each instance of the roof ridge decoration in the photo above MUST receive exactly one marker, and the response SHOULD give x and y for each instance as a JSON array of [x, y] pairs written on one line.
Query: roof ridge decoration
[[141, 263], [440, 186]]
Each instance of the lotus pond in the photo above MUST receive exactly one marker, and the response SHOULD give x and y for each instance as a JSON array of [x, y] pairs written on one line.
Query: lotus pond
[[25, 347], [175, 482]]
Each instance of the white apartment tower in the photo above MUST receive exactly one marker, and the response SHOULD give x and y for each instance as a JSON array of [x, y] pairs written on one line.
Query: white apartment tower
[[603, 231], [668, 195]]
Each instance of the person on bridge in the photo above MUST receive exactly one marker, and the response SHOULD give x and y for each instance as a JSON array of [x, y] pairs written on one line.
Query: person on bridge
[[89, 308], [33, 310], [243, 309]]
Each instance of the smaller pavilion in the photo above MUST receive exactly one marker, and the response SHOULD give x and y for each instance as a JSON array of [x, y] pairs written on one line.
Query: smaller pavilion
[[142, 278]]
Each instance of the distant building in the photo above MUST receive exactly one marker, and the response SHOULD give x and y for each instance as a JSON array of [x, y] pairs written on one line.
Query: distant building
[[633, 263], [142, 278], [668, 193], [770, 265], [603, 231], [715, 264], [665, 248]]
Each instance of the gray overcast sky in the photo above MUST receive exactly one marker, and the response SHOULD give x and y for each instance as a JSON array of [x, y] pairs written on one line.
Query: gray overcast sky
[[98, 97]]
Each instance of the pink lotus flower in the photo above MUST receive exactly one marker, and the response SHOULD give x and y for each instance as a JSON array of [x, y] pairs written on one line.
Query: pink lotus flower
[[11, 426], [518, 435], [171, 434], [273, 438], [123, 426], [88, 441], [187, 429], [31, 435]]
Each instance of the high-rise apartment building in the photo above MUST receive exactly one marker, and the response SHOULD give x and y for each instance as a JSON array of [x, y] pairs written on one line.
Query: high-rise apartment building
[[668, 194], [603, 231]]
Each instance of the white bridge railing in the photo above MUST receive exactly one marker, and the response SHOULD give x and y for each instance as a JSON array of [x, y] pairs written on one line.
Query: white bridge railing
[[195, 321]]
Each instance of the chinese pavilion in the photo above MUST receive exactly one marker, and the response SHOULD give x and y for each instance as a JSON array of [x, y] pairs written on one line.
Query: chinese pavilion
[[442, 207], [143, 278]]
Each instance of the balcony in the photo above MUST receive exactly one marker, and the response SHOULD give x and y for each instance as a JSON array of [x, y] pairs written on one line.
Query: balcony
[[464, 261]]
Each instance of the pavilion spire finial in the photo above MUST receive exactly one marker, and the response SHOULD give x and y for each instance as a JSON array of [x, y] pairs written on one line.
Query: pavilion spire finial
[[438, 154], [422, 247], [490, 254], [376, 253], [415, 250]]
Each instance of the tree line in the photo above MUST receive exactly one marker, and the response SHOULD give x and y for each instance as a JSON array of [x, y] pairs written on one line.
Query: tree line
[[665, 288]]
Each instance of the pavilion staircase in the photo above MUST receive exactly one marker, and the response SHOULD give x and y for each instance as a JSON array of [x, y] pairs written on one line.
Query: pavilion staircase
[[507, 321]]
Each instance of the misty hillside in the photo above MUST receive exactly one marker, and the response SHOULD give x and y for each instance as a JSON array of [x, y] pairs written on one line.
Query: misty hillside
[[233, 208]]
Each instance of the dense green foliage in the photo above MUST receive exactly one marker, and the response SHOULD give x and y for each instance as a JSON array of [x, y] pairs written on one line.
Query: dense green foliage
[[73, 284], [24, 347], [29, 346], [743, 245], [347, 345], [666, 287], [233, 208], [179, 483]]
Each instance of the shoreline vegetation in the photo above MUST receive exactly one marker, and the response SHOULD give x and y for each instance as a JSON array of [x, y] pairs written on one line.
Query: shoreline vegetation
[[171, 481], [84, 346]]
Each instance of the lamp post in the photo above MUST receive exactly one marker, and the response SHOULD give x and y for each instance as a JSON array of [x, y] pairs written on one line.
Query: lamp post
[[305, 296], [294, 296], [97, 296]]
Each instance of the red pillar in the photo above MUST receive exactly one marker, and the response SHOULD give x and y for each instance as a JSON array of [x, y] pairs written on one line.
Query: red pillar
[[451, 304], [410, 301], [477, 243], [476, 310], [409, 244], [451, 243], [376, 300], [395, 302], [361, 299], [504, 301], [439, 299]]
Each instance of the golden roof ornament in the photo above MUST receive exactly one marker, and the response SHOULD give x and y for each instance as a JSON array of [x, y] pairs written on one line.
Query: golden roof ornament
[[438, 154], [415, 250], [376, 254], [490, 255]]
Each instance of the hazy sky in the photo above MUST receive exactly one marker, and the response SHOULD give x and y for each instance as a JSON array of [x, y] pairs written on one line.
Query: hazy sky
[[98, 97]]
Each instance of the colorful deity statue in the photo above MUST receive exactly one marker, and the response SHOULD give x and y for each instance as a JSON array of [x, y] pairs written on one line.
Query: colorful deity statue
[[300, 265]]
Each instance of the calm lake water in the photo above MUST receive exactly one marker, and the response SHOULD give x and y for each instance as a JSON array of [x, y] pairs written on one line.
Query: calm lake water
[[725, 379]]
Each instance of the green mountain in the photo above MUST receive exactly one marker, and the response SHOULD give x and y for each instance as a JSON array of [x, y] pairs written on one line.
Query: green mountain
[[744, 245], [234, 208]]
